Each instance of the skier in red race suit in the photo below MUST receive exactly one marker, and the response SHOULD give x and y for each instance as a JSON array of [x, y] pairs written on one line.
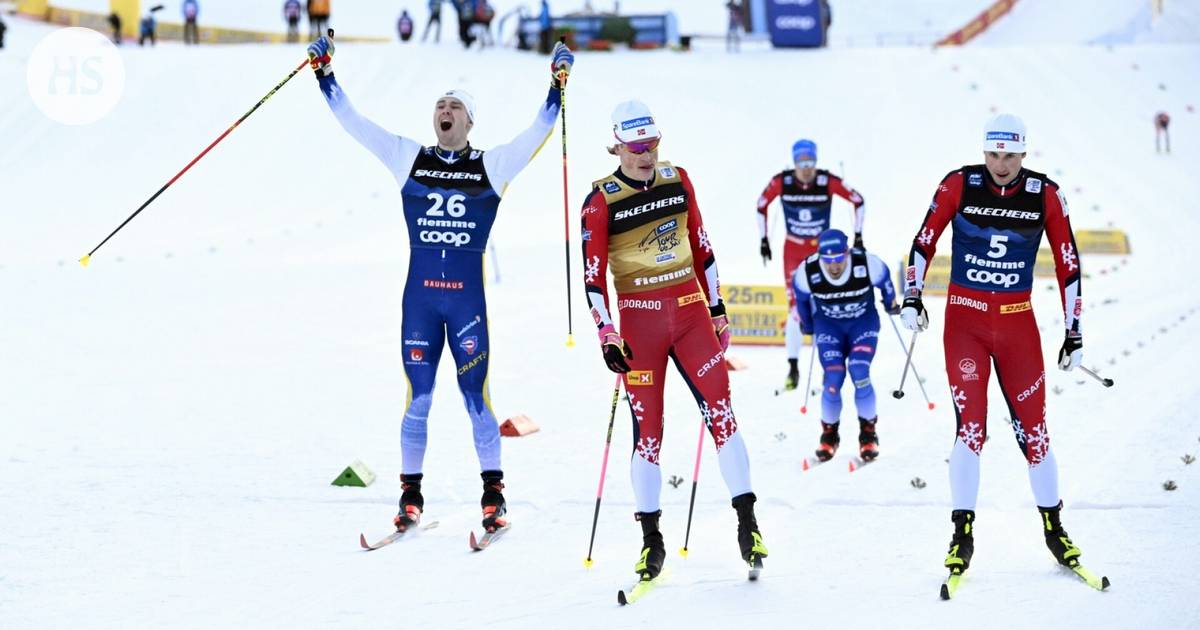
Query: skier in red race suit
[[807, 197], [999, 211], [644, 221]]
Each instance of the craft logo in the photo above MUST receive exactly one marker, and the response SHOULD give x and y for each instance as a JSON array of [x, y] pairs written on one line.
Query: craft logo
[[639, 377], [75, 76], [469, 344]]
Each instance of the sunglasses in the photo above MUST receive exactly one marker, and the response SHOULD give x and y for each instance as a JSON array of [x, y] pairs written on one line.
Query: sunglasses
[[638, 148], [834, 258]]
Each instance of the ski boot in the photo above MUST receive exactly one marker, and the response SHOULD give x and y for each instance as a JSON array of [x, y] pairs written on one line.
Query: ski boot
[[411, 502], [793, 375], [749, 540], [1057, 539], [653, 552], [868, 440], [962, 544], [492, 501], [829, 442]]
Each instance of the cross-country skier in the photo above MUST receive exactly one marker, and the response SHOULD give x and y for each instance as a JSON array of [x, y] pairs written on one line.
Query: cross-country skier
[[999, 210], [451, 192], [806, 194], [835, 301], [644, 221]]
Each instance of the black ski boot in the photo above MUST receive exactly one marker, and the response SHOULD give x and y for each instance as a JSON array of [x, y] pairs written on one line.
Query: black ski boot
[[492, 501], [962, 544], [749, 540], [829, 442], [793, 375], [1057, 539], [868, 440], [653, 552], [411, 502]]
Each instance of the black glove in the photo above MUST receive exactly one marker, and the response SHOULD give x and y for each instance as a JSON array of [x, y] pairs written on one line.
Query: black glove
[[913, 314], [892, 309], [764, 250], [615, 350], [858, 241], [1071, 354]]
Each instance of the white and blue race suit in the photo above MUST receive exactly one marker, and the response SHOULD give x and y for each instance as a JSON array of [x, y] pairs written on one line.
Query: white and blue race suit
[[840, 314], [450, 202]]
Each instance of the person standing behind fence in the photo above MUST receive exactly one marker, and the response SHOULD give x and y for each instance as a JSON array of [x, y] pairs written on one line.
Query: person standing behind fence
[[544, 29], [435, 16], [404, 26], [733, 37], [318, 17], [291, 13], [146, 30], [484, 13], [191, 10], [114, 21], [466, 17], [3, 27]]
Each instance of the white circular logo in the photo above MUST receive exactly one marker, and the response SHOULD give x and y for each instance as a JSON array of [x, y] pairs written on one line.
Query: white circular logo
[[967, 366], [75, 76]]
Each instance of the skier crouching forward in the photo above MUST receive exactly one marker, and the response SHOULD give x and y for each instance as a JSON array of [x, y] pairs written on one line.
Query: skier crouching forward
[[644, 221], [835, 301], [451, 193], [999, 211]]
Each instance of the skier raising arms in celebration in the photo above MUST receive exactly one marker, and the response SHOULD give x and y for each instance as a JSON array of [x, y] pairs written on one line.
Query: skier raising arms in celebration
[[834, 291], [807, 196], [999, 211], [451, 192], [644, 221]]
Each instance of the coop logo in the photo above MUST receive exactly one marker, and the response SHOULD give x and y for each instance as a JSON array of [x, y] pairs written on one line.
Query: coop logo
[[795, 22], [448, 175], [75, 76], [968, 368], [457, 239], [710, 364], [1032, 389], [993, 277]]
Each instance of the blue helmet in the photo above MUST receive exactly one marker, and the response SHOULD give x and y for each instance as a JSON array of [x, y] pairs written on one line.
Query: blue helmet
[[832, 242], [804, 150]]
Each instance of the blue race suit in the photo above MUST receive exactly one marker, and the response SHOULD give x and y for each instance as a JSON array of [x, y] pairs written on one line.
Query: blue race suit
[[840, 314], [450, 202]]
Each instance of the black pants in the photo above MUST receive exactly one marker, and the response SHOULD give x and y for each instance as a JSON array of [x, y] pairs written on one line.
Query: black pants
[[191, 34], [544, 41], [293, 34], [317, 24]]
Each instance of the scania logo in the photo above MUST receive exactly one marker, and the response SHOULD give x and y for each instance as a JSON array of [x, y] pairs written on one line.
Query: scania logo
[[456, 239], [993, 277]]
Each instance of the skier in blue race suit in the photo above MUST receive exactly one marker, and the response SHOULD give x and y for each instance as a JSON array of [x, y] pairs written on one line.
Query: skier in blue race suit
[[835, 299], [451, 192]]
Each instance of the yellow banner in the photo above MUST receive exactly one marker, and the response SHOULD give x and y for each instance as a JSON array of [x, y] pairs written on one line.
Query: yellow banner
[[757, 313], [1103, 242]]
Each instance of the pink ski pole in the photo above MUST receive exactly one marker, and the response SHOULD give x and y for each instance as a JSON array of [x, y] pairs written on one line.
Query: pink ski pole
[[695, 480], [612, 414]]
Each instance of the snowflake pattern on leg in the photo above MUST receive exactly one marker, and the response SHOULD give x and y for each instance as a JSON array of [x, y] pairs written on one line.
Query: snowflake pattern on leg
[[592, 270], [1018, 431], [647, 449], [719, 420], [1037, 442], [960, 398], [972, 436]]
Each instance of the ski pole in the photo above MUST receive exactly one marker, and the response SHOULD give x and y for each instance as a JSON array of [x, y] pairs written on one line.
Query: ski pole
[[612, 414], [1107, 382], [917, 374], [88, 257], [695, 480], [562, 98], [899, 393], [808, 386]]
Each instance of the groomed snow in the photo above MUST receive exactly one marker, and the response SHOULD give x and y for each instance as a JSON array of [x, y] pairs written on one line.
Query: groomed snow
[[171, 417]]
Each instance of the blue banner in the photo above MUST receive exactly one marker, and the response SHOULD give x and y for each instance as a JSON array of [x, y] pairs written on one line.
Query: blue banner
[[795, 23]]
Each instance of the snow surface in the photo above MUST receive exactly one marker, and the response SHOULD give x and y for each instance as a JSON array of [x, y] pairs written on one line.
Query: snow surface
[[171, 417]]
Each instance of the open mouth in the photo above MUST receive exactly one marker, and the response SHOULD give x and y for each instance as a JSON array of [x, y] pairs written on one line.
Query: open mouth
[[446, 125]]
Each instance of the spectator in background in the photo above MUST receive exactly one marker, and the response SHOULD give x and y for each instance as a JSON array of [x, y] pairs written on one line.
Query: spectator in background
[[291, 13], [545, 32], [405, 26], [484, 13], [318, 17], [147, 28], [3, 27], [435, 15], [466, 17], [826, 22], [191, 10], [114, 21], [733, 36]]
